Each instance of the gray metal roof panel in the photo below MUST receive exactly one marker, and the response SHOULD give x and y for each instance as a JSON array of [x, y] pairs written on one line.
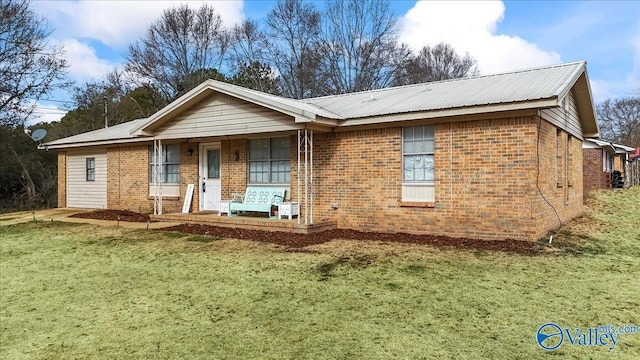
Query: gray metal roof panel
[[513, 87], [120, 131]]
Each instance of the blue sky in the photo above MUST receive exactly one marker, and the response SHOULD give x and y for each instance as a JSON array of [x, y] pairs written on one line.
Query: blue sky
[[501, 35]]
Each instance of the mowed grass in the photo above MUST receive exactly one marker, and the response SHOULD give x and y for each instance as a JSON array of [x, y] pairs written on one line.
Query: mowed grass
[[72, 291]]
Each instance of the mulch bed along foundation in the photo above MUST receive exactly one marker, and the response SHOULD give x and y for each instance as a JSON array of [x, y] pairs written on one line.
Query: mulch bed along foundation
[[294, 240], [115, 215]]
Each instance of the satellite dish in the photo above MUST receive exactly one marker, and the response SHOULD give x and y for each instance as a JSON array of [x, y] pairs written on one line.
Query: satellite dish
[[39, 134]]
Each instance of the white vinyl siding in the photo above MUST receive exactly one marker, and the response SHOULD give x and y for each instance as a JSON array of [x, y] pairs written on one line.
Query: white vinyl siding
[[222, 115], [84, 193], [566, 118], [418, 164]]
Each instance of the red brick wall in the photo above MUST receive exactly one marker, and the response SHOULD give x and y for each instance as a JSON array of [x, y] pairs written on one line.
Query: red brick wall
[[62, 179], [128, 178], [594, 177], [559, 194], [487, 180]]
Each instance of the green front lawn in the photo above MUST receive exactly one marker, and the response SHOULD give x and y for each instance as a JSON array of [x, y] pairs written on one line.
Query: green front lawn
[[80, 291]]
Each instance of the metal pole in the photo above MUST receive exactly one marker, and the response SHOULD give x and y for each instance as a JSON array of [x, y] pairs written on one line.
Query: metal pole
[[311, 175], [306, 176], [104, 100], [161, 177], [299, 171]]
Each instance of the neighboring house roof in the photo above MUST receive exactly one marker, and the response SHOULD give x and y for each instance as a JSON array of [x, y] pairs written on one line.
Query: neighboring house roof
[[609, 147], [539, 88]]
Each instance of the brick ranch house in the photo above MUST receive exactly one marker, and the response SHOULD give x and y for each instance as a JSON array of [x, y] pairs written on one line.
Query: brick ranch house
[[603, 160], [486, 157]]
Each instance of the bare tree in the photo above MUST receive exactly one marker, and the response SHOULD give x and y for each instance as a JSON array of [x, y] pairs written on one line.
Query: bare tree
[[249, 44], [436, 63], [248, 59], [29, 67], [619, 120], [359, 44], [177, 48], [293, 30]]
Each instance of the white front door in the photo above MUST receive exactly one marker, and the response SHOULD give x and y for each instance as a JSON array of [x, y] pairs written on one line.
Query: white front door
[[210, 187]]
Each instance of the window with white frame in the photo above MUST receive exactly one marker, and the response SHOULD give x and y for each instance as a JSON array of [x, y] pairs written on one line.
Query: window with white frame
[[418, 163], [418, 154], [170, 164], [269, 161], [91, 169]]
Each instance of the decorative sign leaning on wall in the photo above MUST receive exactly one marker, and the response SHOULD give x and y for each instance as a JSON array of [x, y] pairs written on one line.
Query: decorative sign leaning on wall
[[187, 199]]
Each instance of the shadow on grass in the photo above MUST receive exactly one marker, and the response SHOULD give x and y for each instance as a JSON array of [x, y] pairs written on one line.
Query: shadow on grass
[[566, 241], [327, 270]]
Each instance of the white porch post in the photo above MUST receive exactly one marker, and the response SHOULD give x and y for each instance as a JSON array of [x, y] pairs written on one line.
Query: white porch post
[[311, 174], [299, 169], [157, 159], [305, 152]]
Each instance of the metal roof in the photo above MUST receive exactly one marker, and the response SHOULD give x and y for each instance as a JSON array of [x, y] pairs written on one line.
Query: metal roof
[[513, 87], [530, 88], [116, 132]]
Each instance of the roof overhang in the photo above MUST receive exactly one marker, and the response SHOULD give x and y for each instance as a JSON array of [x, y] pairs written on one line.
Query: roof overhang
[[94, 143], [302, 113], [477, 111]]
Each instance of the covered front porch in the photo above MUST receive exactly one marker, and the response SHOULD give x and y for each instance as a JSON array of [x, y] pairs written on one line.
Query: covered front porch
[[213, 171]]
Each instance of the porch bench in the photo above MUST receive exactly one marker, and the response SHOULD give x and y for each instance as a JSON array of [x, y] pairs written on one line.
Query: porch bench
[[257, 199]]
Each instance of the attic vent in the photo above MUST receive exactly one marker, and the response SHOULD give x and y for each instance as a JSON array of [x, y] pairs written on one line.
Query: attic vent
[[369, 99]]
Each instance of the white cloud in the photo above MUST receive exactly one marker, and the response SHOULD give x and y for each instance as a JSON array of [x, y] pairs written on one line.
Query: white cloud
[[84, 63], [470, 26], [118, 23], [46, 113]]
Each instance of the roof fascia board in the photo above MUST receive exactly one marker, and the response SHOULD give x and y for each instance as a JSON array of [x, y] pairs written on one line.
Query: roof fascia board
[[94, 143], [479, 111], [571, 80]]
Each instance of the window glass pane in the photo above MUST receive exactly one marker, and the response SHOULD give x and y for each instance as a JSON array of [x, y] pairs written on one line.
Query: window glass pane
[[280, 171], [259, 171], [408, 147], [213, 164], [172, 173], [418, 133], [280, 148], [172, 153], [429, 175], [90, 169], [420, 146], [408, 174], [258, 149], [429, 132], [407, 133]]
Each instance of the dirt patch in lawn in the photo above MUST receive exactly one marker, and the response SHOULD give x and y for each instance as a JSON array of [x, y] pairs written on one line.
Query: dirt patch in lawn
[[296, 241], [115, 215]]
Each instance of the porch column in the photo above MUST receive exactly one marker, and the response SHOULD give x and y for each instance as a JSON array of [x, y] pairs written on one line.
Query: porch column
[[157, 159], [305, 153]]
